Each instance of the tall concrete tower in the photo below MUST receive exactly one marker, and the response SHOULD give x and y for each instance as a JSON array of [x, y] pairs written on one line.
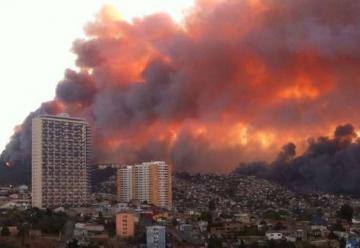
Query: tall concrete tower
[[61, 157]]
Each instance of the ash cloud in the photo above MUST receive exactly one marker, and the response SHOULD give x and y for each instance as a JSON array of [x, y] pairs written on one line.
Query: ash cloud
[[233, 82]]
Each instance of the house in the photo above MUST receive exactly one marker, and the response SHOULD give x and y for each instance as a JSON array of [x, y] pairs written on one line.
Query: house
[[86, 232], [34, 233], [262, 225], [274, 235], [203, 226], [83, 231], [341, 234], [80, 231], [12, 229], [356, 220], [120, 207], [318, 223], [318, 227], [243, 218], [59, 210], [227, 230]]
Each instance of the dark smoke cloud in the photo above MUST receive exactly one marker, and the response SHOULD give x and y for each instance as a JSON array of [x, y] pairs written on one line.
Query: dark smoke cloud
[[17, 153], [76, 88], [234, 82], [328, 164]]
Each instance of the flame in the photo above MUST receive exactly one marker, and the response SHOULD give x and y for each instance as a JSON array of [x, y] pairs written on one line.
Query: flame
[[266, 139], [240, 134], [302, 89], [357, 131]]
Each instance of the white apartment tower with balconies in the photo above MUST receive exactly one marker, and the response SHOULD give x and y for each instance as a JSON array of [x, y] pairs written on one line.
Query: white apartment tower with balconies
[[60, 162]]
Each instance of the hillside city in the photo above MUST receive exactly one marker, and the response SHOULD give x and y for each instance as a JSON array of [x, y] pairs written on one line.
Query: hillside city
[[208, 211]]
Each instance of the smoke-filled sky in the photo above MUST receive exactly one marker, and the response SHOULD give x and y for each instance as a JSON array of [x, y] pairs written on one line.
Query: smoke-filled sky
[[233, 83], [35, 47]]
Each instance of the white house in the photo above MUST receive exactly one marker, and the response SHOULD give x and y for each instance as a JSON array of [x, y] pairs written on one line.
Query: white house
[[274, 235]]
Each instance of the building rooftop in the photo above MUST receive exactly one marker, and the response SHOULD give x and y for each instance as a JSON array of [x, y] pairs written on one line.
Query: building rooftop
[[63, 116]]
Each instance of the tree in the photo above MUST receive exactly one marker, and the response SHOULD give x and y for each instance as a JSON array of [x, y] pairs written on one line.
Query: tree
[[319, 212], [206, 216], [101, 219], [212, 205], [342, 242], [279, 226], [332, 236], [73, 244], [5, 231], [23, 232], [92, 245], [242, 244], [214, 242], [174, 222], [4, 245], [339, 227], [346, 212]]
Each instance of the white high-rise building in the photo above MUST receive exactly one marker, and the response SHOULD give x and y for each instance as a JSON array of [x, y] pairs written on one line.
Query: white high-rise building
[[149, 181], [60, 162], [125, 181], [142, 182]]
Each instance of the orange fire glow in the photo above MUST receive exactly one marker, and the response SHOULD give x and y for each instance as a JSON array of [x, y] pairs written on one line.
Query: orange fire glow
[[234, 82]]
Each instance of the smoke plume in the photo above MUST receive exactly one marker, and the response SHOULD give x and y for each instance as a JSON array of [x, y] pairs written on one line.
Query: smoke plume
[[328, 164], [233, 82]]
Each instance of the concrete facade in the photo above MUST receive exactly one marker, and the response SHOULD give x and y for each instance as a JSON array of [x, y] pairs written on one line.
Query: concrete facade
[[61, 157]]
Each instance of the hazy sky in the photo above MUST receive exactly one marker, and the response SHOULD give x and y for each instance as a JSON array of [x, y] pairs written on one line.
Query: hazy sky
[[35, 42]]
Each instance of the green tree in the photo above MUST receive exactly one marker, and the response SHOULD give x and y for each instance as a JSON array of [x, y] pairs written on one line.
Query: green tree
[[346, 212], [5, 231]]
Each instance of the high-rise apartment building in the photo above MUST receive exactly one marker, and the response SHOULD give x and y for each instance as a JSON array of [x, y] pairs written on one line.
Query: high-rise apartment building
[[60, 162], [149, 181], [125, 184]]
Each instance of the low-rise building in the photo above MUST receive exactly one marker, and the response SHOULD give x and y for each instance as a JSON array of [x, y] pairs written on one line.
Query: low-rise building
[[155, 237], [274, 235], [125, 224]]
